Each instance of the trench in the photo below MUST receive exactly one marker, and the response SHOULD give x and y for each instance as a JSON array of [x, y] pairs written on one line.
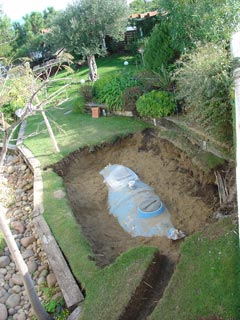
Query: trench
[[190, 196]]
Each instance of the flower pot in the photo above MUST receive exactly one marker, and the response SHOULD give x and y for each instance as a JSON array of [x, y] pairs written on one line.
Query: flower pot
[[95, 112]]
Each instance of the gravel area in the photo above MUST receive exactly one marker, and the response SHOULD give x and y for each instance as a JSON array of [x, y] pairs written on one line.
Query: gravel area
[[16, 195]]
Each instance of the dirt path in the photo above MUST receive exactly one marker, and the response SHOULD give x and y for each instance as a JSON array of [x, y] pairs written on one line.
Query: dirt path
[[185, 192]]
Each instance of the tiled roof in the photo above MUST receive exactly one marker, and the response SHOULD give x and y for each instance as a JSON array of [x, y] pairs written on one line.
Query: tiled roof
[[144, 15]]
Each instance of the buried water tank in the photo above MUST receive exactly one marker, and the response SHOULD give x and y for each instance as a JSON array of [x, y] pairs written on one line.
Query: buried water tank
[[136, 206]]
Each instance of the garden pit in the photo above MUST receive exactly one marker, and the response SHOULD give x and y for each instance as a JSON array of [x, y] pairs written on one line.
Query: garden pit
[[189, 194]]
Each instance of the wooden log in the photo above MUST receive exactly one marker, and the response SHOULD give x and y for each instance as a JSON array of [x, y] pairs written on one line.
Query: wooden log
[[65, 279]]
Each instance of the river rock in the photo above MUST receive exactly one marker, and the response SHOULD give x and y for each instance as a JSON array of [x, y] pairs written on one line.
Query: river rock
[[4, 261], [41, 280], [3, 312], [51, 280], [13, 300], [3, 271], [32, 266], [27, 241], [10, 169], [18, 226], [17, 279], [27, 253], [20, 316], [59, 194], [16, 289]]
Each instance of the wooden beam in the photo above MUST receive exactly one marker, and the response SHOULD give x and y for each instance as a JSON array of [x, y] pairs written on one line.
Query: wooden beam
[[65, 279]]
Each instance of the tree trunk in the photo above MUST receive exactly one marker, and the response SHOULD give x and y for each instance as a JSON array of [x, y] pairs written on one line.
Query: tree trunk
[[22, 267], [92, 76]]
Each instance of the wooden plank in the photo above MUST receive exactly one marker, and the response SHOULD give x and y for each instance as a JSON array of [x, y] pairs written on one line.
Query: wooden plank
[[66, 281]]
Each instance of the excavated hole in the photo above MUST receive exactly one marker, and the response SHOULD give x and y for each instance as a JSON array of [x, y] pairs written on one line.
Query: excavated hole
[[189, 195]]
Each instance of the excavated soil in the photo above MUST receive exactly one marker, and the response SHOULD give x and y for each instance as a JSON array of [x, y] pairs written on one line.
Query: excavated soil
[[189, 195]]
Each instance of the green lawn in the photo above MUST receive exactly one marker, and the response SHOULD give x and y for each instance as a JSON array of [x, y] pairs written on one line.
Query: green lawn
[[207, 278]]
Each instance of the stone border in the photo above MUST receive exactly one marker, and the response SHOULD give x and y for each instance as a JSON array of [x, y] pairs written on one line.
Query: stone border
[[65, 279]]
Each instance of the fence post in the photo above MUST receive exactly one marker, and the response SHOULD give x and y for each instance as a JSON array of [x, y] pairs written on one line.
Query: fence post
[[235, 50]]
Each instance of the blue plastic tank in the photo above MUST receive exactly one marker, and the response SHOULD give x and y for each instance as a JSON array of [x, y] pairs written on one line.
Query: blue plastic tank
[[136, 206]]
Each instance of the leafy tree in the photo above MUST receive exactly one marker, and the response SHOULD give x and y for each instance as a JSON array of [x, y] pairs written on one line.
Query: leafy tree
[[141, 6], [6, 35], [83, 26], [158, 50], [192, 21], [30, 40]]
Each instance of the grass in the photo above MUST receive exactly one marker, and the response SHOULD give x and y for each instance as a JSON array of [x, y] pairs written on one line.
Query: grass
[[206, 280], [74, 131], [110, 290], [2, 244], [65, 229]]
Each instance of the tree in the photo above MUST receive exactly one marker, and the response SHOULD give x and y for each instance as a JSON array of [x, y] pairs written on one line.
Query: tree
[[141, 6], [21, 89], [30, 35], [158, 51], [6, 35], [83, 26], [192, 21]]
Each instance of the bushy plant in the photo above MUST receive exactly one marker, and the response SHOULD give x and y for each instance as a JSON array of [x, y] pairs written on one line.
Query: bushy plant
[[203, 82], [87, 93], [109, 89], [158, 50], [156, 104], [130, 97]]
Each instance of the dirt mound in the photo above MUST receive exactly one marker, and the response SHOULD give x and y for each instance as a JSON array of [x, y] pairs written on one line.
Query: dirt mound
[[189, 195]]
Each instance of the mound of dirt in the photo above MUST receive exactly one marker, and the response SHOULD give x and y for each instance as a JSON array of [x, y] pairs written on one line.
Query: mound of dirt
[[189, 195]]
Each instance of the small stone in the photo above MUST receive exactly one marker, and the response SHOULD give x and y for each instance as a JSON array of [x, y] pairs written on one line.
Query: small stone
[[23, 167], [27, 253], [41, 280], [17, 279], [59, 194], [10, 169], [16, 289], [44, 273], [32, 266], [4, 297], [21, 316], [11, 312], [2, 292], [3, 271], [3, 312], [4, 261], [13, 300], [51, 280], [18, 226], [27, 241]]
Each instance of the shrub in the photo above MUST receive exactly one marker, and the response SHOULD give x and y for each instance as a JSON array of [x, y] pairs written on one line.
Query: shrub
[[109, 89], [203, 83], [130, 97], [158, 50], [87, 93], [156, 104]]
